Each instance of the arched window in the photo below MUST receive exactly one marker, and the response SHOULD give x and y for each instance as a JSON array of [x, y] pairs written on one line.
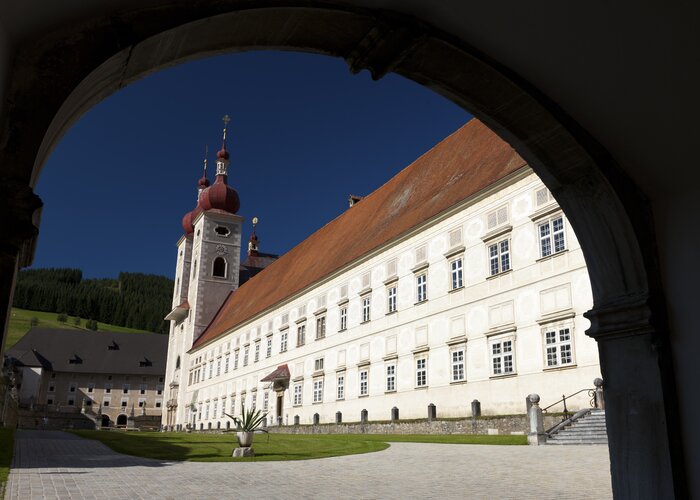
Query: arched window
[[177, 363], [219, 267]]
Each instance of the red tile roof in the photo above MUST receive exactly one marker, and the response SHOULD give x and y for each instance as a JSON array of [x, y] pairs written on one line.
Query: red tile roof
[[466, 162]]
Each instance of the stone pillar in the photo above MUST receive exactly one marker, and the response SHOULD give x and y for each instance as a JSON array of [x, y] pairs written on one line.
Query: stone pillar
[[536, 436], [338, 417], [476, 408], [363, 417], [640, 413], [21, 210], [130, 420], [599, 397], [394, 414], [432, 412]]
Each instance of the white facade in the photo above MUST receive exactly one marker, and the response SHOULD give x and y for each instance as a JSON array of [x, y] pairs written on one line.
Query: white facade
[[470, 322]]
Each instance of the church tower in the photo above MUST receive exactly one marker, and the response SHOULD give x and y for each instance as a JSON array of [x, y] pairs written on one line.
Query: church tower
[[207, 271]]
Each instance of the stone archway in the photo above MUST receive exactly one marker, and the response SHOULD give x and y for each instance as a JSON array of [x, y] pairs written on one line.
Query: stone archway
[[105, 422], [609, 215], [121, 420]]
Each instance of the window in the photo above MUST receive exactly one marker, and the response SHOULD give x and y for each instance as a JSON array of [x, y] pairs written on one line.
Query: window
[[456, 273], [552, 236], [223, 407], [457, 365], [499, 257], [211, 368], [297, 394], [268, 352], [159, 403], [142, 402], [320, 327], [364, 382], [142, 389], [91, 388], [222, 231], [257, 351], [558, 345], [301, 334], [218, 367], [421, 287], [106, 402], [343, 318], [502, 361], [219, 270], [71, 387], [366, 301], [52, 387], [318, 390], [226, 363], [159, 389], [246, 351], [283, 342], [341, 387], [49, 401], [71, 401], [125, 389], [108, 388], [390, 378], [124, 402], [391, 294], [233, 404], [318, 364], [421, 372], [206, 411], [215, 410]]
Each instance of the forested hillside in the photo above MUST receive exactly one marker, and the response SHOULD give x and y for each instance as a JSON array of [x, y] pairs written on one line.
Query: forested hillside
[[133, 300]]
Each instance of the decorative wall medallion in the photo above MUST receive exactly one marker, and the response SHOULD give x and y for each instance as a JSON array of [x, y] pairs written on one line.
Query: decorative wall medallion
[[221, 250]]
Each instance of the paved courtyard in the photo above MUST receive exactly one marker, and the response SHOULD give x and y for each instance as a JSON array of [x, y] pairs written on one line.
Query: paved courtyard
[[58, 465]]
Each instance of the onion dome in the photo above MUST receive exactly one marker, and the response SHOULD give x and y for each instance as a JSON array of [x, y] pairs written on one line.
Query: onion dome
[[221, 196], [202, 185]]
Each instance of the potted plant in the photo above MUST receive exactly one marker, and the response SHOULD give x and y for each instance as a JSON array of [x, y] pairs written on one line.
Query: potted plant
[[250, 421]]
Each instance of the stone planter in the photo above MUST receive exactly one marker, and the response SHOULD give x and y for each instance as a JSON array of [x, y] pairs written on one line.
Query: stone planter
[[245, 438]]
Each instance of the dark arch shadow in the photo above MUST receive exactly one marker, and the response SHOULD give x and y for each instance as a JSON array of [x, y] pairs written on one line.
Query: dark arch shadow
[[79, 64]]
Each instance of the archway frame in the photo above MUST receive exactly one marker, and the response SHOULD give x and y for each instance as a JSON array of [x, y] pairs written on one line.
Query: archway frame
[[77, 65]]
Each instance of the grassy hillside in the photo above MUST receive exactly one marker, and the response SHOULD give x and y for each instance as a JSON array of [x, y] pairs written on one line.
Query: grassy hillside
[[20, 324]]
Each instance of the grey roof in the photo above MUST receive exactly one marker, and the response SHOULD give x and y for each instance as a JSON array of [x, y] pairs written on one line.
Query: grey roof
[[92, 352]]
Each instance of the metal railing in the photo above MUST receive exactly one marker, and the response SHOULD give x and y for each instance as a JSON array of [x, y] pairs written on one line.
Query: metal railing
[[567, 414]]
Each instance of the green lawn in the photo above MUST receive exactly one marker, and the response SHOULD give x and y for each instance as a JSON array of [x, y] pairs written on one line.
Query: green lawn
[[218, 447], [20, 324], [6, 449]]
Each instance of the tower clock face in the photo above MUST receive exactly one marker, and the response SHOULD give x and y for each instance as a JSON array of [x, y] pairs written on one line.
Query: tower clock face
[[221, 250]]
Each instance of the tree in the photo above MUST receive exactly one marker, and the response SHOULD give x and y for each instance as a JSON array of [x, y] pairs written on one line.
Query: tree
[[62, 317], [77, 320], [34, 321], [91, 324]]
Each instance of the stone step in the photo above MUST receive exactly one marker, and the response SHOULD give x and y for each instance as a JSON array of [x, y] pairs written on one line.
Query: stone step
[[574, 437], [578, 442]]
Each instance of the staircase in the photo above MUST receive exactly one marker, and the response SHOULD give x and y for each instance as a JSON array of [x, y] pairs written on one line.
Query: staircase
[[588, 429]]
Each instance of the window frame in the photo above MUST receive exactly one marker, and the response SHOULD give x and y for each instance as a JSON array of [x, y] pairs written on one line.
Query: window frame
[[499, 256], [557, 328], [456, 363], [421, 372], [340, 387], [392, 294], [297, 394], [421, 287], [363, 386], [366, 308], [456, 272], [318, 390], [501, 355], [320, 326], [390, 377], [301, 334], [343, 318], [551, 237]]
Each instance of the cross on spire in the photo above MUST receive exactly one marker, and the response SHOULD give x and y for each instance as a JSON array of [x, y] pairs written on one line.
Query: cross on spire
[[225, 119]]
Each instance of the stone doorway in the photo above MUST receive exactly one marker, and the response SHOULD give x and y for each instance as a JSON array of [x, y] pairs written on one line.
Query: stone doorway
[[105, 421], [121, 420]]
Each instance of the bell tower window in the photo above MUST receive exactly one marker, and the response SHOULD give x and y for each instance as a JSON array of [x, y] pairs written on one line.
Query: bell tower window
[[219, 270]]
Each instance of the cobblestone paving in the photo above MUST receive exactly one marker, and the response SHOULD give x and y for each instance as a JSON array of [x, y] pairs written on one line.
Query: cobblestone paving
[[58, 465]]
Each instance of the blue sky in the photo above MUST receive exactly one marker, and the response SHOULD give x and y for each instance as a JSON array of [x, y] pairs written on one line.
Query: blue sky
[[304, 134]]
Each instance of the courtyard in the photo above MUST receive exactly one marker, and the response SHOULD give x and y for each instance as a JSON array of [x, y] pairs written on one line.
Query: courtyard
[[50, 464]]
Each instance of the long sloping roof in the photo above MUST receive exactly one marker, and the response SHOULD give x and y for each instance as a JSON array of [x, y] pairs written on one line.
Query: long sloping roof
[[90, 352], [466, 162]]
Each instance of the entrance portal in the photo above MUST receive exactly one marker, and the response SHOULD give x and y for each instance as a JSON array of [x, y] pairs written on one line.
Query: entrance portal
[[121, 419], [105, 421]]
